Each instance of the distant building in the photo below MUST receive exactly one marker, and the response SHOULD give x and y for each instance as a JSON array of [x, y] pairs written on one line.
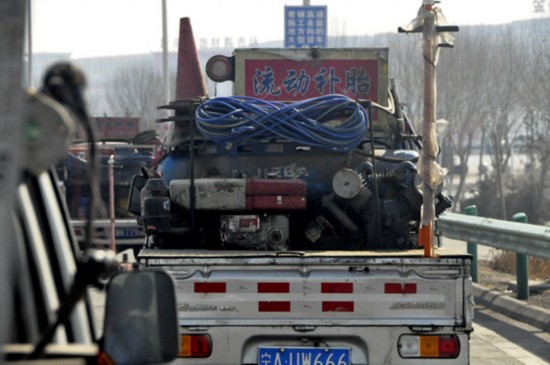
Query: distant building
[[115, 128]]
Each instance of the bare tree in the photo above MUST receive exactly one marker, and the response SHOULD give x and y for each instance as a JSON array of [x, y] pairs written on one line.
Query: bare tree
[[136, 91], [406, 65], [506, 77], [462, 99], [535, 91]]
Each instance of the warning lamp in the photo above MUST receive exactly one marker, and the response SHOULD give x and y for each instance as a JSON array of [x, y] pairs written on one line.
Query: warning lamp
[[221, 68], [199, 345], [429, 346]]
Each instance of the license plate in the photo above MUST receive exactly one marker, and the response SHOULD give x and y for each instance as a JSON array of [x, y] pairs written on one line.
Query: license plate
[[303, 356], [127, 232]]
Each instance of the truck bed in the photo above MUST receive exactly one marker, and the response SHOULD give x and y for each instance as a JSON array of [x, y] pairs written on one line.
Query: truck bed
[[147, 255], [347, 288]]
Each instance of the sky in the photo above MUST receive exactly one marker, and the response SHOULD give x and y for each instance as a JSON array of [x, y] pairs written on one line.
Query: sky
[[90, 28]]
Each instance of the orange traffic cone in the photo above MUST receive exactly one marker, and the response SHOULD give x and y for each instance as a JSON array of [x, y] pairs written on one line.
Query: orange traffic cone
[[190, 84]]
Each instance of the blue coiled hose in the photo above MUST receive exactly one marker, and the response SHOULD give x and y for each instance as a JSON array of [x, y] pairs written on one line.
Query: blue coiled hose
[[335, 122]]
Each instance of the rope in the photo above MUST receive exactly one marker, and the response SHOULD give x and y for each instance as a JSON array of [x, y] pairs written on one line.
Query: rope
[[333, 122]]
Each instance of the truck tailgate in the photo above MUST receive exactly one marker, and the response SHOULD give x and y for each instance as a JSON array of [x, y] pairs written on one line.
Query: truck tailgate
[[321, 288]]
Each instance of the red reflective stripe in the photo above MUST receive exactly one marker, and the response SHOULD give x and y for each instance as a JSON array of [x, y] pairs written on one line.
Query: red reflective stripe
[[273, 287], [274, 306], [337, 288], [210, 288], [338, 306], [398, 288]]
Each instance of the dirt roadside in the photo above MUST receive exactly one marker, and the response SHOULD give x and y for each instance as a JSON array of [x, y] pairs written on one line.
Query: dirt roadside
[[539, 291]]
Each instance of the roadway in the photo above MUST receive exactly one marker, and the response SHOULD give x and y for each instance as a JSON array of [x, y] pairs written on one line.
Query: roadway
[[483, 252], [498, 339]]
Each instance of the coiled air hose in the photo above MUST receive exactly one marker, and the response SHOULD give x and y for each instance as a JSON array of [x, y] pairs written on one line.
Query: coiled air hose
[[334, 122]]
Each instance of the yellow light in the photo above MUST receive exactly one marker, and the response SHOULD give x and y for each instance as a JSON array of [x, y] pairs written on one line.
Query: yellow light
[[196, 345], [429, 346], [185, 346]]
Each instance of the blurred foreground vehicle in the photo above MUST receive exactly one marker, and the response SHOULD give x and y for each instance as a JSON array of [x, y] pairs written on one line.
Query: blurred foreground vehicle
[[46, 311]]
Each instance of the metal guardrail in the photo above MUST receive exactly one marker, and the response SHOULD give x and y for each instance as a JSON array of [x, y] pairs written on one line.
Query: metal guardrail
[[518, 236], [529, 239]]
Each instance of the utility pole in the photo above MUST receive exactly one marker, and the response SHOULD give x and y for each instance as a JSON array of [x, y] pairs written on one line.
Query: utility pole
[[165, 71], [29, 44], [429, 138], [429, 22]]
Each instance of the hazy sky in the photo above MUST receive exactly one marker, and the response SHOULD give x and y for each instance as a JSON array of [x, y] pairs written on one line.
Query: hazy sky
[[110, 27]]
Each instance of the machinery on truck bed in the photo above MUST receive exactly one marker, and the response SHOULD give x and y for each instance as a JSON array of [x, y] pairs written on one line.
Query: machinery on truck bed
[[289, 214], [291, 166]]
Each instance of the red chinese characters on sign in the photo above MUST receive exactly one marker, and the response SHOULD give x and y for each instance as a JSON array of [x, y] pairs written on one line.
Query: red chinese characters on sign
[[287, 80]]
